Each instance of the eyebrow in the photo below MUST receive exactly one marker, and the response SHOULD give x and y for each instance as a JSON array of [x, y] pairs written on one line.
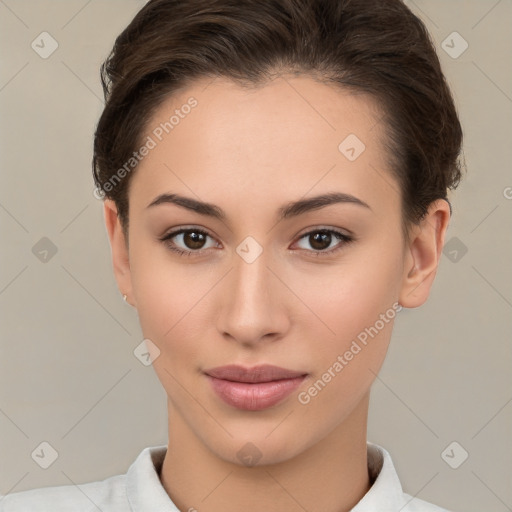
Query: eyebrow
[[291, 209]]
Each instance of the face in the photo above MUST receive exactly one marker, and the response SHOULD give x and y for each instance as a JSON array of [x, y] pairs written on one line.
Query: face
[[314, 290]]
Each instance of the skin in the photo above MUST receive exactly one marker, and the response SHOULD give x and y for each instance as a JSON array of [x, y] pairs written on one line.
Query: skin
[[250, 152]]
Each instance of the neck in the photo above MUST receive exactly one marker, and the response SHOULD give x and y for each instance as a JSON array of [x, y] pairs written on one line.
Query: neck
[[329, 476]]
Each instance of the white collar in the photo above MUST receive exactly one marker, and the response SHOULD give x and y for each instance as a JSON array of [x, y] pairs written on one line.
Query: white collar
[[145, 491]]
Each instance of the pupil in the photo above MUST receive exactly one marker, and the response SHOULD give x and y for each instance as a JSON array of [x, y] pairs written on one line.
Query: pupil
[[195, 238], [321, 237]]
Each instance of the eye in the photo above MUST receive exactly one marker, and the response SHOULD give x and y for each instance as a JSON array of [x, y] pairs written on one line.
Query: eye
[[321, 241], [192, 241]]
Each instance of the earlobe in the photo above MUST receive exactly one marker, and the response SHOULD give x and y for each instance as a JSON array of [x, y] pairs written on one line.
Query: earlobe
[[119, 249], [423, 255]]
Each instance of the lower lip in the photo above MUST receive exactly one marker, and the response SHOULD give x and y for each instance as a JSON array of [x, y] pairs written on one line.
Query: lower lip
[[254, 397]]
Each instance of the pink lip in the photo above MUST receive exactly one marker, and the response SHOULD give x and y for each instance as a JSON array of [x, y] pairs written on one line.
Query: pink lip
[[253, 389]]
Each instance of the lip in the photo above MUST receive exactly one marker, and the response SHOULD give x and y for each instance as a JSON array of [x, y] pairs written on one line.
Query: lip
[[253, 389], [256, 374]]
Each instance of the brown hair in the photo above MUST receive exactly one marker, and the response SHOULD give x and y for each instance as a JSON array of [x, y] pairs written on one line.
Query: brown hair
[[378, 47]]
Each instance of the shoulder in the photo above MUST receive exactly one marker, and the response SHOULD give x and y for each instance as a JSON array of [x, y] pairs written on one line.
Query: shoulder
[[386, 492], [113, 494], [106, 495], [417, 505]]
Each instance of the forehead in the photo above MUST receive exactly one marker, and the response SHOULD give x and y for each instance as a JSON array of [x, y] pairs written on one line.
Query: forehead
[[291, 136]]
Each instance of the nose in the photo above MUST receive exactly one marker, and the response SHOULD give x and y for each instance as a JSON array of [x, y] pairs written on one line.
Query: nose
[[253, 306]]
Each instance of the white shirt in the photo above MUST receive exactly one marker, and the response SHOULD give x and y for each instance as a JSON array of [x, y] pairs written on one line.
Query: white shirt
[[140, 490]]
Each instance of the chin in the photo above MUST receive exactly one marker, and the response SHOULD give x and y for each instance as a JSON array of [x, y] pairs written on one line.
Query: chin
[[262, 447]]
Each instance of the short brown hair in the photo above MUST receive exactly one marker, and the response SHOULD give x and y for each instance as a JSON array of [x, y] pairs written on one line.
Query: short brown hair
[[377, 47]]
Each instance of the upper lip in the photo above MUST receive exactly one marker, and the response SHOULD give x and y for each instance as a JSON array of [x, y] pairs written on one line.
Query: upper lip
[[261, 373]]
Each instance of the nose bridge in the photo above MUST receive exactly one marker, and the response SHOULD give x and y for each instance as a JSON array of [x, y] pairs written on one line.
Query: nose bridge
[[250, 282], [249, 307]]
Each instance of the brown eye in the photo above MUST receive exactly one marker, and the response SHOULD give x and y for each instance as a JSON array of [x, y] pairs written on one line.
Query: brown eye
[[194, 239], [187, 241], [320, 241]]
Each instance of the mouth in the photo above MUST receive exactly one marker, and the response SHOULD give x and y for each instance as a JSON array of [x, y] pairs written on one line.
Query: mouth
[[253, 389]]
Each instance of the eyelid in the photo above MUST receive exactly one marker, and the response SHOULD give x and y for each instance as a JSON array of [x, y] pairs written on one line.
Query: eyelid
[[317, 228], [177, 231]]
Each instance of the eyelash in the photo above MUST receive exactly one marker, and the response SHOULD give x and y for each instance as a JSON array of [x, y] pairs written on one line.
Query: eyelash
[[344, 239]]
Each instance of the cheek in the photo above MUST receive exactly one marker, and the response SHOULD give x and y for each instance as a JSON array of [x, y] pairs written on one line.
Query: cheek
[[171, 302], [165, 289], [359, 312], [174, 304], [355, 305], [348, 297]]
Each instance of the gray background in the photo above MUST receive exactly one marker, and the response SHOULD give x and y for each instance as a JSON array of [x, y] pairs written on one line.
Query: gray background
[[68, 375]]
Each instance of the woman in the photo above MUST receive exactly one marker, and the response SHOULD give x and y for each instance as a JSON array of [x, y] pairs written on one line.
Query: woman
[[275, 179]]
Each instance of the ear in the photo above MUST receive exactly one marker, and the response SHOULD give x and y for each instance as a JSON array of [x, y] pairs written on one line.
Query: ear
[[120, 255], [423, 253]]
